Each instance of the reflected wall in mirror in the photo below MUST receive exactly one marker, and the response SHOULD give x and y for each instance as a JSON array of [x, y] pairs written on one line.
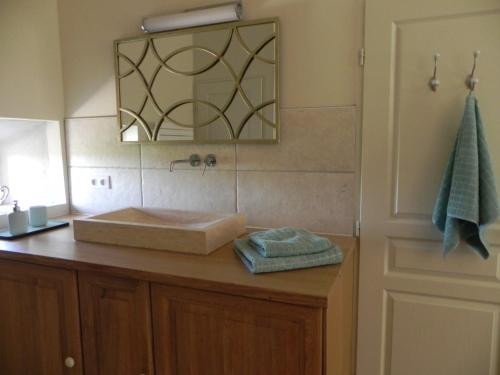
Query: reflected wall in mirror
[[213, 84]]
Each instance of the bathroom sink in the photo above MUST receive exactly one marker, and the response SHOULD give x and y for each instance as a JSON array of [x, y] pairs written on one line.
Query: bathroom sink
[[162, 229]]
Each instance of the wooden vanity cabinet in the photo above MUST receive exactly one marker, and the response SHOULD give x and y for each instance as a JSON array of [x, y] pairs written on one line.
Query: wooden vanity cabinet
[[194, 332], [39, 321], [204, 333], [74, 308], [116, 325]]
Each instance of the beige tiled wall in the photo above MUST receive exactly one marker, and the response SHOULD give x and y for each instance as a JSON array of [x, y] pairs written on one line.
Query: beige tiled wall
[[307, 180]]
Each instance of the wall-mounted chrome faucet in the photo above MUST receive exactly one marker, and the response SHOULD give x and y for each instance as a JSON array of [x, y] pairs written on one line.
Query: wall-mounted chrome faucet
[[4, 193], [210, 161], [194, 160]]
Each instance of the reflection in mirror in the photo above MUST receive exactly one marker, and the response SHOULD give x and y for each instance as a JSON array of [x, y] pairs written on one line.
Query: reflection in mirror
[[215, 84]]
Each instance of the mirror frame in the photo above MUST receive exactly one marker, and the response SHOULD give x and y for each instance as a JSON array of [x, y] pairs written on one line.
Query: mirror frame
[[221, 26]]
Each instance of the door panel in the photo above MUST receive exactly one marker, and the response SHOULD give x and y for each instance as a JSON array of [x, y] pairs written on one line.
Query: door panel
[[424, 257], [416, 309], [39, 326], [472, 349], [116, 320], [427, 119], [201, 333]]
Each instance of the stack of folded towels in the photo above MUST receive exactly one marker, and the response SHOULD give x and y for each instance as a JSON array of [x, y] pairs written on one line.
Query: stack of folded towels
[[286, 249]]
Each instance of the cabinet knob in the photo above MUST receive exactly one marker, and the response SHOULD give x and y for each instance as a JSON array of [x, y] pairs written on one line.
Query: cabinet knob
[[69, 362]]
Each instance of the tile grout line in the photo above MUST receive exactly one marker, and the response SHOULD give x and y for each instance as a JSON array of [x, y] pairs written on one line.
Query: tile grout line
[[293, 171], [237, 178], [141, 170], [313, 108], [103, 167], [88, 117], [235, 170]]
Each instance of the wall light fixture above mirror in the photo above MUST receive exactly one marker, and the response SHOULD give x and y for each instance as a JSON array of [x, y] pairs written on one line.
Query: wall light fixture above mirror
[[211, 84]]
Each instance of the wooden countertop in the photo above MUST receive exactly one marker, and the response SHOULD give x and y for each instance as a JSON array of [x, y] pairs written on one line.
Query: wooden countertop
[[221, 271]]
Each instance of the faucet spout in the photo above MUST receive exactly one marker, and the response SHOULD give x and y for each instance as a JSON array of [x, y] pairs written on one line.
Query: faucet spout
[[173, 163], [194, 160]]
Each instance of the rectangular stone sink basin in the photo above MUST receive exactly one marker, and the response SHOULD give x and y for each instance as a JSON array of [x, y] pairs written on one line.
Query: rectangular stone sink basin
[[162, 229]]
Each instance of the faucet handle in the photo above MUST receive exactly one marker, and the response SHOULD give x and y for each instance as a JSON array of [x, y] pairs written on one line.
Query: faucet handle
[[210, 161], [194, 160]]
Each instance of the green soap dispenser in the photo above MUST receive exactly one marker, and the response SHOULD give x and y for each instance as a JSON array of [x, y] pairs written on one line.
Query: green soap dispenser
[[18, 220]]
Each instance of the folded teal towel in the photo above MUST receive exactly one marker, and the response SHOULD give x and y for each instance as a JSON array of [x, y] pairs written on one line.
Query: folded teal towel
[[285, 242], [256, 263], [467, 201]]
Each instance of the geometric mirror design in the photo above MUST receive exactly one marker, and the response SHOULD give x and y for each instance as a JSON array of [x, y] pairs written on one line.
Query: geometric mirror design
[[212, 84]]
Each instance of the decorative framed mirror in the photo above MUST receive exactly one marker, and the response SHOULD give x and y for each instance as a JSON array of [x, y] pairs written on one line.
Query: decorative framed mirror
[[212, 84]]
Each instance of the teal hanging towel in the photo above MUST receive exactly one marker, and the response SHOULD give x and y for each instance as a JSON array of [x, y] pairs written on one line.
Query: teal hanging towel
[[467, 201]]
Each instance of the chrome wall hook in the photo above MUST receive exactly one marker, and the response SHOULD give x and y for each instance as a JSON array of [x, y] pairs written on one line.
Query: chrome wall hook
[[471, 80], [434, 81]]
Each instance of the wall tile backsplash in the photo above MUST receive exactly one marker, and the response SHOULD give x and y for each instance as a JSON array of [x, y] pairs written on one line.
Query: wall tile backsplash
[[160, 156], [307, 180], [322, 202], [125, 189], [93, 142], [215, 191], [319, 139]]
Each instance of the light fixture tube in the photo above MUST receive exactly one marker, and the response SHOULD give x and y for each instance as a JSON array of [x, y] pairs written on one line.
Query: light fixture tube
[[196, 17]]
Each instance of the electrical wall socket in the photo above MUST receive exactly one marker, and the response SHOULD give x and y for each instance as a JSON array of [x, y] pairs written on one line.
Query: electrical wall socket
[[101, 182]]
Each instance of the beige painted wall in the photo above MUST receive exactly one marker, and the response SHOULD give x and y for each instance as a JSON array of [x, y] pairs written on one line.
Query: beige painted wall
[[30, 67], [320, 40]]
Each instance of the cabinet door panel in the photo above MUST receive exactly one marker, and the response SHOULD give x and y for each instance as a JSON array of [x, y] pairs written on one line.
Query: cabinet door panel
[[202, 333], [116, 320], [39, 324]]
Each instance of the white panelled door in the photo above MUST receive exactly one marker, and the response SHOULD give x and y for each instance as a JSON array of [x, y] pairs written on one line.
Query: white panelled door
[[420, 314]]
